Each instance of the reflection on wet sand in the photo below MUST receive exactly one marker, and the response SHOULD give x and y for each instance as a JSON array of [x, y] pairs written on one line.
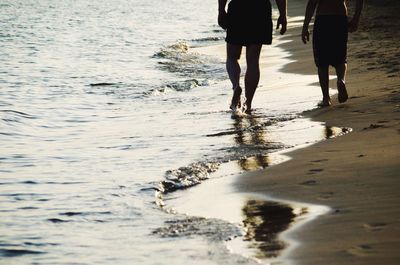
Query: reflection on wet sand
[[250, 133], [254, 162], [264, 221]]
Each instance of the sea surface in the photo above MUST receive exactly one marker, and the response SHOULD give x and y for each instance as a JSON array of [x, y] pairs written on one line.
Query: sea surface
[[107, 110]]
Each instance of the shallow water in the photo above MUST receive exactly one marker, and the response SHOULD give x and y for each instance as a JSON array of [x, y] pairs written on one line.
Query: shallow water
[[102, 102]]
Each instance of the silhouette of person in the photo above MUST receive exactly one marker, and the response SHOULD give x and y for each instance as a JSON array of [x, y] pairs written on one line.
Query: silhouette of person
[[249, 24], [330, 35]]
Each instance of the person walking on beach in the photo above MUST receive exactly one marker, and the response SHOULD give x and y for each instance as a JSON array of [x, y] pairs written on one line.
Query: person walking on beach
[[248, 23], [331, 27]]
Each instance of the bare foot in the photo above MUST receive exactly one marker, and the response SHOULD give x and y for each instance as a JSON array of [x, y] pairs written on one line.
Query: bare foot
[[326, 102], [343, 96], [235, 103], [246, 108], [248, 111]]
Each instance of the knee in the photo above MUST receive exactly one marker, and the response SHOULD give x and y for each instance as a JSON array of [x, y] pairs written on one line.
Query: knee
[[232, 63], [253, 66], [253, 62], [232, 59]]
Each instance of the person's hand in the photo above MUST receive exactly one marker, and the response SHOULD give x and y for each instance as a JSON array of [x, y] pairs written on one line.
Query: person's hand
[[353, 25], [282, 23], [223, 19], [305, 35]]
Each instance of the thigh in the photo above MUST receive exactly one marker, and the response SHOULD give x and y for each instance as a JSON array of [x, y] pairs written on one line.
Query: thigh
[[233, 51], [253, 53]]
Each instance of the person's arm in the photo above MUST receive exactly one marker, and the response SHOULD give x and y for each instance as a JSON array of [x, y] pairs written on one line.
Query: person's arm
[[282, 20], [353, 24], [311, 6], [221, 5], [222, 15]]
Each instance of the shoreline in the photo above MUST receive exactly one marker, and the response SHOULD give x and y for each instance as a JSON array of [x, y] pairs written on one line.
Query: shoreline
[[355, 175], [223, 201], [345, 174]]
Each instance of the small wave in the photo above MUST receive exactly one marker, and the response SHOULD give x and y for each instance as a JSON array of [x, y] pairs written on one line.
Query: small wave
[[250, 143], [215, 230], [185, 177], [177, 58], [208, 39], [157, 91], [179, 86], [202, 42], [186, 85], [175, 50]]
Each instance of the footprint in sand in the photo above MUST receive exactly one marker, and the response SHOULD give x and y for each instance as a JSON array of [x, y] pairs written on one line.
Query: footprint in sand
[[333, 151], [310, 182], [354, 97], [374, 126], [314, 171], [382, 122], [373, 227], [361, 250], [320, 160], [394, 97], [325, 195]]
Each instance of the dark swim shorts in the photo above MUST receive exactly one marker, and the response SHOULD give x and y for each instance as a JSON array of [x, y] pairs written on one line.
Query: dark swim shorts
[[330, 40], [249, 22]]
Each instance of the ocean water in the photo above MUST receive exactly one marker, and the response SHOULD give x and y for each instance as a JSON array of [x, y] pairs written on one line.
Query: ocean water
[[106, 109]]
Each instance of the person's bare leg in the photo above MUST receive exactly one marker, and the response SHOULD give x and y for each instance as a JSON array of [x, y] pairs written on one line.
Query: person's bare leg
[[341, 82], [233, 68], [252, 73], [323, 75]]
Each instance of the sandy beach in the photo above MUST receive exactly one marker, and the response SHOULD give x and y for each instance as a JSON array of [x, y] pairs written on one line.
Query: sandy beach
[[356, 175]]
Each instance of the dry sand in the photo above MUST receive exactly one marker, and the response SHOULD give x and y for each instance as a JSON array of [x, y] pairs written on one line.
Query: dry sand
[[357, 175]]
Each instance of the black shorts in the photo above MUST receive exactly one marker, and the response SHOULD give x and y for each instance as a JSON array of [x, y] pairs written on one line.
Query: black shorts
[[330, 40], [249, 22]]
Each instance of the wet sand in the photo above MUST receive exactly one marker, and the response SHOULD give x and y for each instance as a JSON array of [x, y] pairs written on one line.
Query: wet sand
[[356, 175]]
